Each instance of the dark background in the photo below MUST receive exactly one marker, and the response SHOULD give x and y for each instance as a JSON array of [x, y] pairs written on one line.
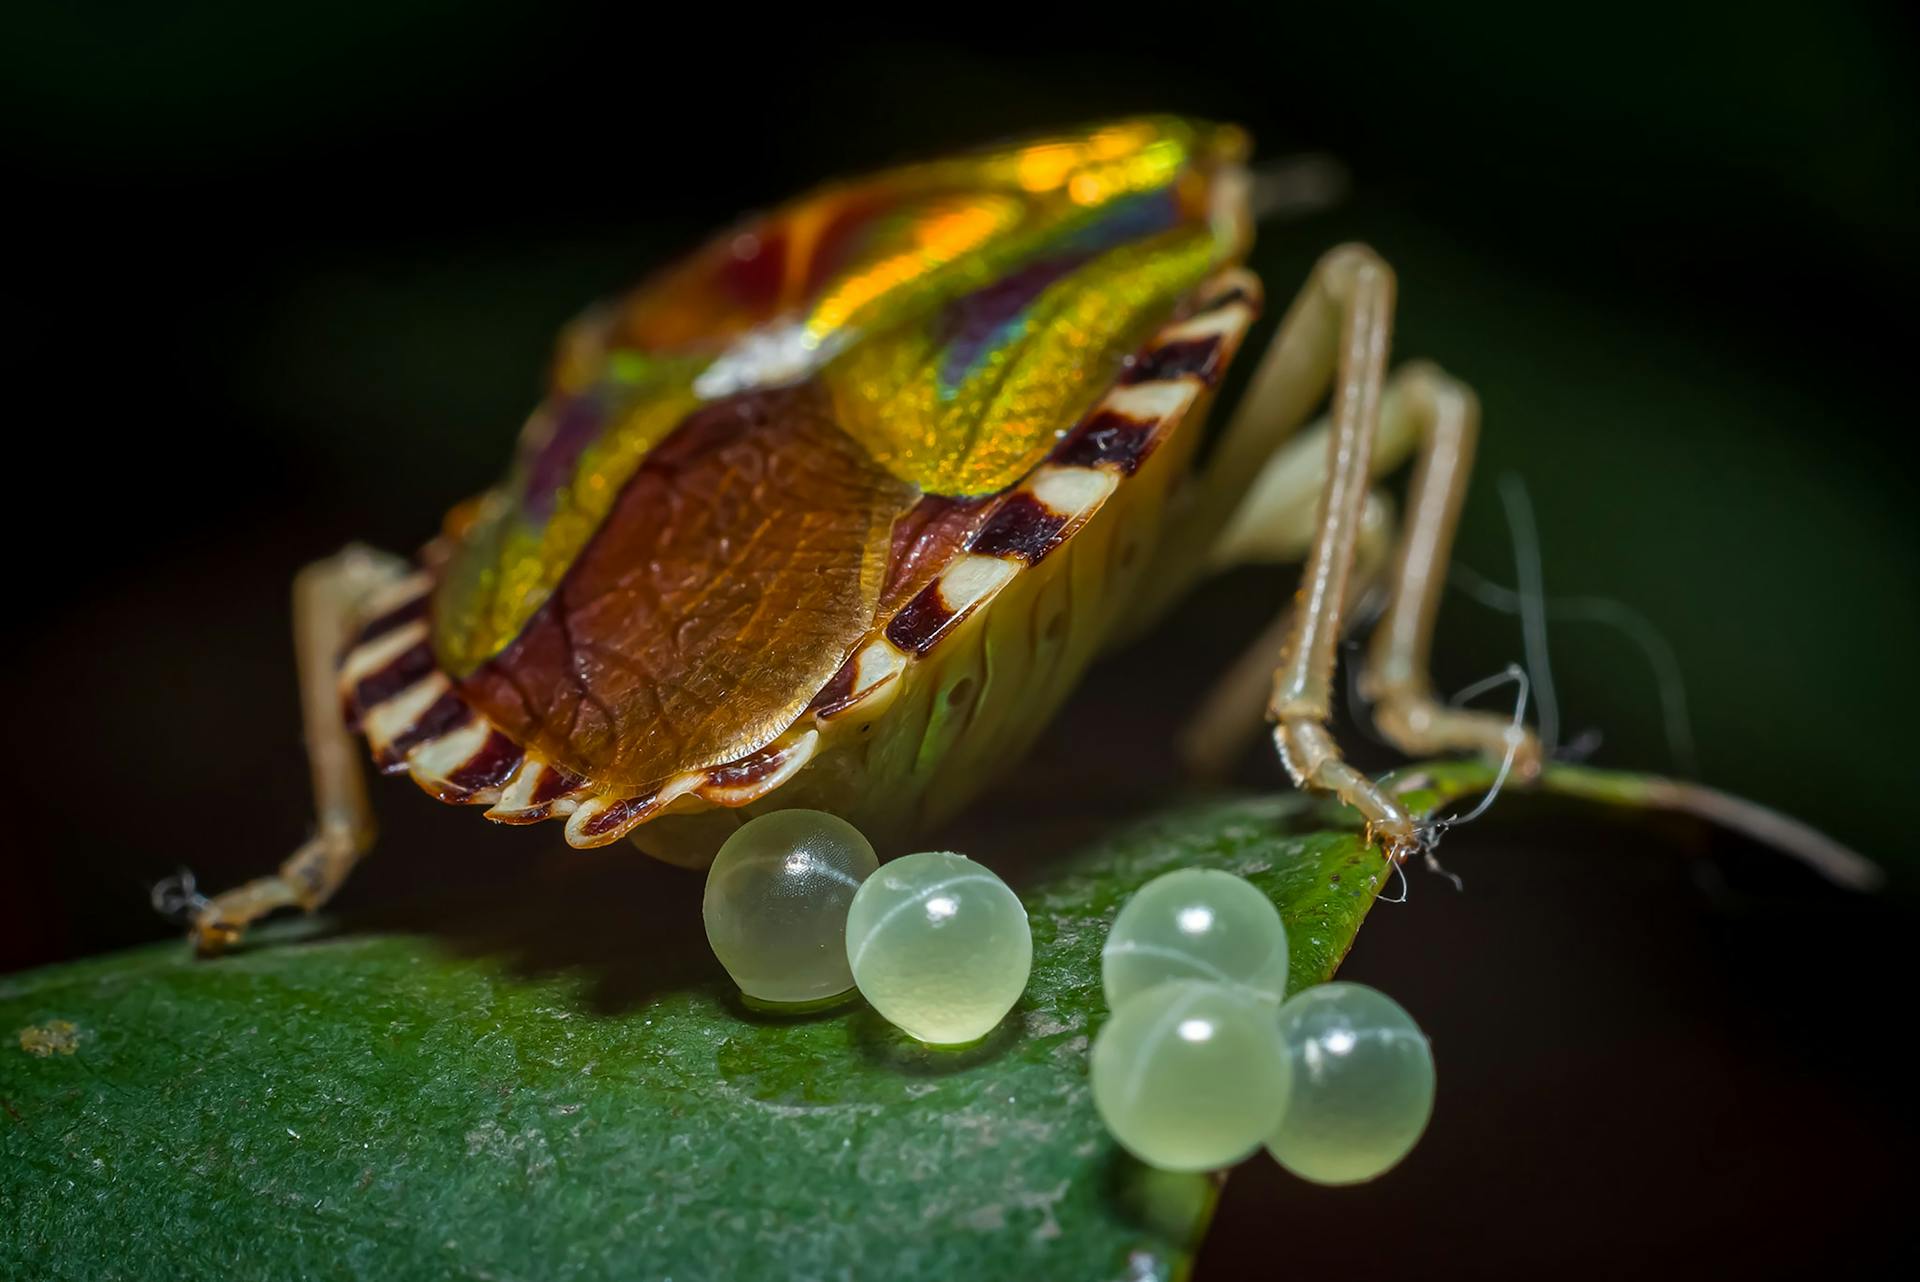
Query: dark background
[[287, 276]]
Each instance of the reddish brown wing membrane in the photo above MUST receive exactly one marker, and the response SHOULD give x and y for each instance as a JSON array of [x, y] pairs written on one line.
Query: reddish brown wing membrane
[[738, 566]]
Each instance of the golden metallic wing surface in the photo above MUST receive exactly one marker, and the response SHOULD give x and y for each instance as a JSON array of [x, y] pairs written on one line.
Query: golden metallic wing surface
[[965, 399]]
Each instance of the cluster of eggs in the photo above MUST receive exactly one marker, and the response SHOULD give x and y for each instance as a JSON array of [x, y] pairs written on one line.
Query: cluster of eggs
[[1205, 1056], [799, 910]]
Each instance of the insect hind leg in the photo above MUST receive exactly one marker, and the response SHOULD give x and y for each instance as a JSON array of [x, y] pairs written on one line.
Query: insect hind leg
[[327, 598]]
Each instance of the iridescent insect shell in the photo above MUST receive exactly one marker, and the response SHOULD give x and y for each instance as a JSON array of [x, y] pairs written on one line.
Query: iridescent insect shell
[[835, 512]]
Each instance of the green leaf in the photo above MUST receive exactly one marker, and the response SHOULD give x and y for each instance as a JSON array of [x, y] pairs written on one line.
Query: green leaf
[[394, 1105]]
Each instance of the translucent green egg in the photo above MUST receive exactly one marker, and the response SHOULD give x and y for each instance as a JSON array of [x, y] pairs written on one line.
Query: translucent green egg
[[1196, 924], [1362, 1084], [776, 904], [1190, 1075], [940, 946]]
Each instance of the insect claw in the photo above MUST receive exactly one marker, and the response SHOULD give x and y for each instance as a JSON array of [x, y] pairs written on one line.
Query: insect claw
[[178, 898]]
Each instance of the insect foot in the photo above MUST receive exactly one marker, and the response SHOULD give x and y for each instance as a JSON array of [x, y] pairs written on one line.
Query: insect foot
[[213, 934], [178, 899], [1398, 843]]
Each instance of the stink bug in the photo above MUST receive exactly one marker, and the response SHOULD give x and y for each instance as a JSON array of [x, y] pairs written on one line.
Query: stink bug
[[835, 511]]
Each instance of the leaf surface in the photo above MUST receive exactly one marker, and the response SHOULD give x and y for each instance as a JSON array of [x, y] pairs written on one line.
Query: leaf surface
[[405, 1105]]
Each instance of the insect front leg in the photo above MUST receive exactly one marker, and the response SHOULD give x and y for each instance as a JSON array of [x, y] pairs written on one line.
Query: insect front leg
[[327, 597], [1307, 495], [1422, 410], [1359, 291]]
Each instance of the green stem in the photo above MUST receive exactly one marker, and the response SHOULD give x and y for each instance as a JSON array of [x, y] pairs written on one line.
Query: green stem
[[1426, 789]]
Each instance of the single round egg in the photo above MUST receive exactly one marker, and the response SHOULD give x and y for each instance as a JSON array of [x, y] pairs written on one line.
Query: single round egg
[[940, 946], [1362, 1084], [1196, 923], [776, 904], [1190, 1075]]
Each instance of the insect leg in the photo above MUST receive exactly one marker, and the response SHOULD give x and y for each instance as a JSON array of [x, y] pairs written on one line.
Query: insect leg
[[1360, 287], [326, 597], [1395, 678], [1230, 715]]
